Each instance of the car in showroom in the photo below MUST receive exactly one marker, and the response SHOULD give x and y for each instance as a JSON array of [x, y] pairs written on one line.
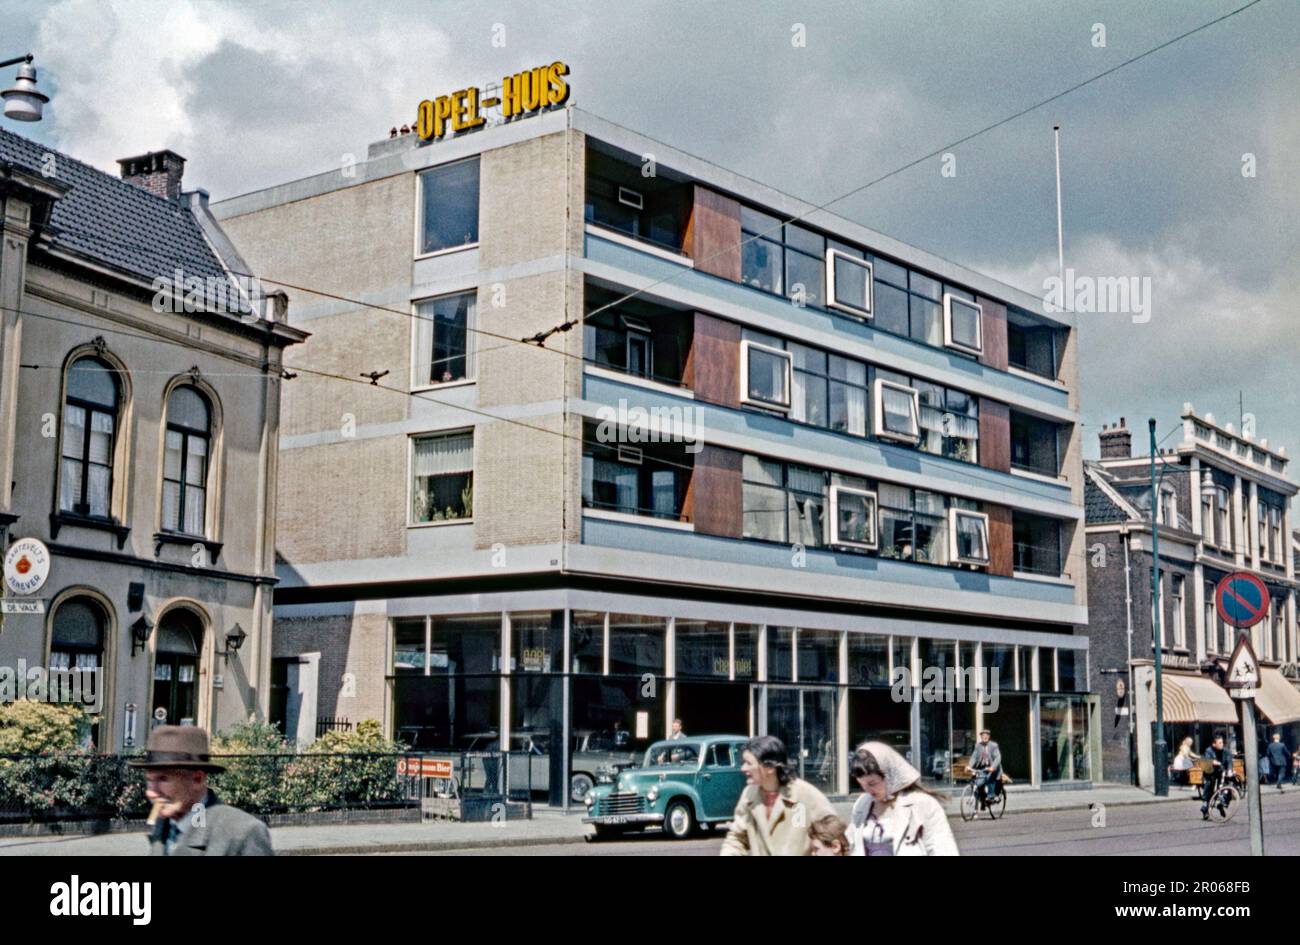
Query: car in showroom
[[682, 785]]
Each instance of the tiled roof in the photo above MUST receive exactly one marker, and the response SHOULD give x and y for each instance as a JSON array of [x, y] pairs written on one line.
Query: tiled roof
[[1098, 507], [117, 224]]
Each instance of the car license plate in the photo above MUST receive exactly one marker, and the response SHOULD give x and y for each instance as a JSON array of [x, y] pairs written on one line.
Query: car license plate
[[616, 820]]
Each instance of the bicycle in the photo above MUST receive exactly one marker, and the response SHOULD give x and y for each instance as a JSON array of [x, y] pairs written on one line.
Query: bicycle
[[974, 800], [1226, 800]]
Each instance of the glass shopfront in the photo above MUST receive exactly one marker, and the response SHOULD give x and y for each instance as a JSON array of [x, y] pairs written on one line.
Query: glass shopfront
[[627, 676]]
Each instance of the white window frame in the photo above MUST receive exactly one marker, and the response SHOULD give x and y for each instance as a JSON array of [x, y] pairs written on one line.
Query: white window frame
[[878, 413], [835, 518], [948, 299], [955, 513], [410, 475], [1178, 597], [746, 346], [831, 256], [627, 201], [419, 357], [418, 236]]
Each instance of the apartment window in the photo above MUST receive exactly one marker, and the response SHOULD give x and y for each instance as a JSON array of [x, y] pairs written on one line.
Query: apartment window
[[77, 640], [853, 517], [1036, 542], [449, 206], [848, 281], [949, 421], [1261, 530], [1207, 518], [185, 461], [783, 502], [783, 259], [897, 412], [1030, 347], [1211, 620], [442, 473], [1169, 507], [961, 322], [765, 376], [633, 480], [913, 525], [636, 337], [969, 536], [1179, 614], [1034, 444], [443, 339], [650, 209], [89, 428], [1223, 531], [1275, 526]]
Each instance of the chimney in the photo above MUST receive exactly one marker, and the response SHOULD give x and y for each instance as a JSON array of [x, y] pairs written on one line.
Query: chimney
[[158, 172], [1116, 441]]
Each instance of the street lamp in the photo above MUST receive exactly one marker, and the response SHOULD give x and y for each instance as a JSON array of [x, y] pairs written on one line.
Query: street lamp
[[234, 640], [24, 101], [1160, 750]]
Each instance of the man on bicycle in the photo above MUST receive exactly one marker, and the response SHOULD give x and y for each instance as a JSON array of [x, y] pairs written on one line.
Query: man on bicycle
[[1220, 762], [986, 762]]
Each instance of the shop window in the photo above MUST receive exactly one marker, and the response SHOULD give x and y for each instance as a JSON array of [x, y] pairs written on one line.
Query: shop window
[[442, 472], [780, 654], [961, 324], [449, 206], [853, 518], [746, 636], [969, 534], [636, 645], [848, 283], [77, 640], [703, 649], [819, 656], [868, 660], [999, 666], [90, 418], [897, 412], [443, 333], [185, 462], [764, 376], [587, 645]]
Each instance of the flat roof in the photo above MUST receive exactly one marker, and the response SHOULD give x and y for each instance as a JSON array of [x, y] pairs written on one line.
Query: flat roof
[[390, 158]]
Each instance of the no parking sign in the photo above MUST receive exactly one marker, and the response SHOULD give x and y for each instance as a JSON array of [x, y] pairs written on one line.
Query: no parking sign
[[1242, 599]]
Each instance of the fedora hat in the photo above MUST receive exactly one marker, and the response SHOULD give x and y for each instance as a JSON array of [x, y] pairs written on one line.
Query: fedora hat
[[178, 746]]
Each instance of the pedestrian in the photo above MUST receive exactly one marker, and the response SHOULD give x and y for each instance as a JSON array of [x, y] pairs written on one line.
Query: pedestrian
[[1184, 761], [1278, 756], [829, 837], [188, 818], [776, 807], [895, 816], [677, 730]]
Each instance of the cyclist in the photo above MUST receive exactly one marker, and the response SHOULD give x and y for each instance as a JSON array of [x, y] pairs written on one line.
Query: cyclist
[[1220, 762], [986, 762]]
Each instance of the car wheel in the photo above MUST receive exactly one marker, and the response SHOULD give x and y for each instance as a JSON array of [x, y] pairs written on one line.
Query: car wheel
[[579, 785], [679, 820]]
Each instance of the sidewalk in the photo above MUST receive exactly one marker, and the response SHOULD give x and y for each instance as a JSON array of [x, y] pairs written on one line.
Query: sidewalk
[[546, 827]]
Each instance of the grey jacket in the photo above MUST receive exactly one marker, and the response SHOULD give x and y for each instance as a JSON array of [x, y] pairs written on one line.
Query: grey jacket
[[994, 756], [221, 830]]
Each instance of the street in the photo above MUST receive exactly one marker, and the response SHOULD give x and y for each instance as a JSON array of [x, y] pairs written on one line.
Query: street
[[1172, 829]]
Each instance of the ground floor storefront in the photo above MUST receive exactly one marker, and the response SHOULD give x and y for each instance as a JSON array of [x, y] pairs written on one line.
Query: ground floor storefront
[[581, 681]]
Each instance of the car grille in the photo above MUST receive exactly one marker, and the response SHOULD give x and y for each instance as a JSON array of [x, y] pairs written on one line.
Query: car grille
[[626, 803]]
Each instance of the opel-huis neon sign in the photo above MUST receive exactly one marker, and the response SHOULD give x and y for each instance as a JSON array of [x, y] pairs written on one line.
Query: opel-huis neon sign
[[523, 93]]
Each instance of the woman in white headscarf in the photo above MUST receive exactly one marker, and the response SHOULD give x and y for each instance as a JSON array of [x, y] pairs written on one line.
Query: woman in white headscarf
[[895, 815]]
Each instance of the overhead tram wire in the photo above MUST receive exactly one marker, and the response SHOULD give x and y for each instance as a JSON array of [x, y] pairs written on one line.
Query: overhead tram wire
[[566, 326]]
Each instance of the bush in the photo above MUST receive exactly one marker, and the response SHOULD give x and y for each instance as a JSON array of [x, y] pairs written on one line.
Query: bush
[[318, 778], [253, 781], [27, 728]]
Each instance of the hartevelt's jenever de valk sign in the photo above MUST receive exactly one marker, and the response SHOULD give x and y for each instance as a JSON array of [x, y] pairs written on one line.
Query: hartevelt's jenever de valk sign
[[524, 93]]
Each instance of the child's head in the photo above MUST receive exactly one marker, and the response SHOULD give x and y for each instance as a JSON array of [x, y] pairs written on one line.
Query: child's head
[[828, 837]]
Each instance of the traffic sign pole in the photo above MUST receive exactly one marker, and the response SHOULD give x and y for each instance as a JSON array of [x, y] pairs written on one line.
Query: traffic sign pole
[[1254, 807]]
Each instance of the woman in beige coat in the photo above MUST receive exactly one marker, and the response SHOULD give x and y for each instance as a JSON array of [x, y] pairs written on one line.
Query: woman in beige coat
[[776, 808], [895, 816]]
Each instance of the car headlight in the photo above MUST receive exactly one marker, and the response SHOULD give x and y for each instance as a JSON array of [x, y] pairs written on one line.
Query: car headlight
[[589, 799], [652, 795]]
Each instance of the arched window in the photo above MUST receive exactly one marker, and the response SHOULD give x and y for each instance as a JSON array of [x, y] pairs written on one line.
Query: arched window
[[185, 462], [78, 638], [89, 428]]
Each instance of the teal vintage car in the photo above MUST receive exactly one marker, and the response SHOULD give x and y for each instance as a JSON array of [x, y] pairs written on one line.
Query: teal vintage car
[[681, 784]]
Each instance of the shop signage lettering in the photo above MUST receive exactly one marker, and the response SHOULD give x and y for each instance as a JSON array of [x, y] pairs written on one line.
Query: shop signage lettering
[[524, 93], [535, 658]]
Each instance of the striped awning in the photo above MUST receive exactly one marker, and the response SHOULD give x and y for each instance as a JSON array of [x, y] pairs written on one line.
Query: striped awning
[[1276, 698], [1196, 699]]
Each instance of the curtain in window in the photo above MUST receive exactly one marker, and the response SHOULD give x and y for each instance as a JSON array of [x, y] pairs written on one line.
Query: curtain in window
[[897, 406], [439, 456], [848, 409]]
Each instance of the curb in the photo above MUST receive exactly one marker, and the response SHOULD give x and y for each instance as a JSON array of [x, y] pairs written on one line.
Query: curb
[[427, 846]]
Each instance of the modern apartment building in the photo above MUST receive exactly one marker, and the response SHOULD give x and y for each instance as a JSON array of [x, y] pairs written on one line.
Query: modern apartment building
[[1224, 506], [139, 415], [643, 448]]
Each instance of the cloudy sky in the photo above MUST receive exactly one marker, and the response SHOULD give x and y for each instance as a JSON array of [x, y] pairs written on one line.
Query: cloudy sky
[[1153, 155]]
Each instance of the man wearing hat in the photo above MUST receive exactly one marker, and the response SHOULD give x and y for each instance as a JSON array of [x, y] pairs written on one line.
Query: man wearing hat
[[191, 820]]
